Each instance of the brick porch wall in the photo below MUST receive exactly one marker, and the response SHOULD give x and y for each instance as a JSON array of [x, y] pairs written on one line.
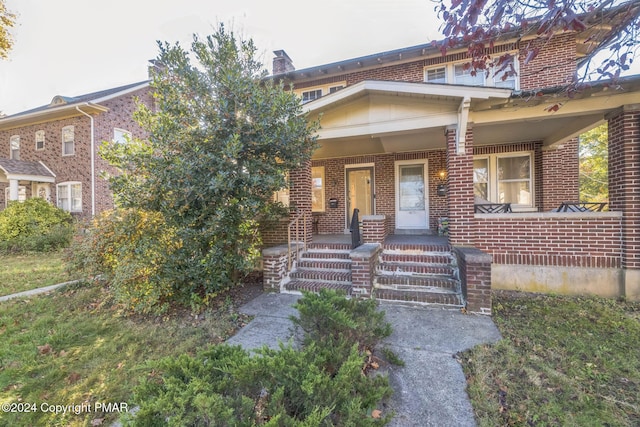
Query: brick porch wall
[[460, 190], [552, 239], [560, 175]]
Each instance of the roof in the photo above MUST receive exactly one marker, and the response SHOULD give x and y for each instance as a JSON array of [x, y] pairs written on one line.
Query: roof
[[589, 40], [19, 169], [66, 106]]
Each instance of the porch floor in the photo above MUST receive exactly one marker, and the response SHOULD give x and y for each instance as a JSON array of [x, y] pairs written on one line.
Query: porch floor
[[399, 239]]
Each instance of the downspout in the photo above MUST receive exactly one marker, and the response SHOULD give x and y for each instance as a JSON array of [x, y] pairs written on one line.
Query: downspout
[[93, 162]]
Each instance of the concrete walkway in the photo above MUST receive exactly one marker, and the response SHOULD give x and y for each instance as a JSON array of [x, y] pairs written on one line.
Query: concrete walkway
[[430, 389], [36, 291]]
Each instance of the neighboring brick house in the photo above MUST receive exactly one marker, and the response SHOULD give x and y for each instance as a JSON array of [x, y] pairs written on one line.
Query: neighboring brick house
[[52, 151], [414, 140]]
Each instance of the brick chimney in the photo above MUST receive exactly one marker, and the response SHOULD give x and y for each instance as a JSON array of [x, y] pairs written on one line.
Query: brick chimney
[[282, 63]]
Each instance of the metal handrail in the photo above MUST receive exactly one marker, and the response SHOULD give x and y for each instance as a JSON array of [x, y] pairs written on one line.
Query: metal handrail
[[295, 222], [356, 239]]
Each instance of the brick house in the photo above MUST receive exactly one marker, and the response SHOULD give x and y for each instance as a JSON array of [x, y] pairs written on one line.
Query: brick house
[[420, 147], [52, 151]]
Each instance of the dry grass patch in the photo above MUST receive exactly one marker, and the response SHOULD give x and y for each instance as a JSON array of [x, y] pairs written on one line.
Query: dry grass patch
[[570, 361]]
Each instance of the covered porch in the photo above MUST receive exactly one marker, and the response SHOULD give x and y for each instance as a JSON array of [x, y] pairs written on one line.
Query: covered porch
[[21, 180], [408, 155]]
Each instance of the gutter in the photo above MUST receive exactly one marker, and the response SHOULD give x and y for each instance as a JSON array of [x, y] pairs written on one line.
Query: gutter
[[93, 160]]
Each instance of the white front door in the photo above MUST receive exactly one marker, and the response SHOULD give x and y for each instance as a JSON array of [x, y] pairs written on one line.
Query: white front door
[[412, 195]]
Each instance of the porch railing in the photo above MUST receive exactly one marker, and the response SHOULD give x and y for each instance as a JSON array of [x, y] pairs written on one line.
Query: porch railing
[[356, 238], [581, 207], [296, 233], [492, 208]]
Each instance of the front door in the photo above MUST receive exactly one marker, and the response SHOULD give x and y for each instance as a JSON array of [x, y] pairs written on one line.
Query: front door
[[359, 192], [412, 195]]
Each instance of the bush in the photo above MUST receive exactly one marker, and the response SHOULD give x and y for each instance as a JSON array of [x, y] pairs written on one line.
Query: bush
[[225, 385], [131, 249], [34, 225]]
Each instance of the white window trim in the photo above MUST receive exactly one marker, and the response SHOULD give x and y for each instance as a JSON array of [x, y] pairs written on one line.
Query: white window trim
[[123, 132], [11, 149], [40, 132], [324, 189], [489, 80], [74, 140], [492, 183], [68, 184], [326, 89], [22, 194]]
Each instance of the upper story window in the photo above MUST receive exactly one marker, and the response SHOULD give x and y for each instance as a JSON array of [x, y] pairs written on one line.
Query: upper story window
[[14, 144], [461, 74], [121, 136], [40, 140], [310, 94], [504, 178], [68, 141]]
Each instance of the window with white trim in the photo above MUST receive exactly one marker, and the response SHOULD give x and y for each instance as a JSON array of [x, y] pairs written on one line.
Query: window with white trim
[[317, 189], [68, 141], [121, 136], [40, 140], [14, 147], [70, 196], [505, 178], [309, 94], [504, 76]]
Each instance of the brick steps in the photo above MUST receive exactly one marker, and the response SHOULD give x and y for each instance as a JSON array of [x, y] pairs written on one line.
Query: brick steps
[[313, 286], [323, 265], [418, 273]]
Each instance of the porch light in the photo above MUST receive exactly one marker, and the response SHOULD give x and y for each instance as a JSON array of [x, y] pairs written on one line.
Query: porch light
[[443, 175]]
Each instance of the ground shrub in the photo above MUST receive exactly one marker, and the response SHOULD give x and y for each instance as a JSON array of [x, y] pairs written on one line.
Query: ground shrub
[[131, 250], [34, 225], [226, 385]]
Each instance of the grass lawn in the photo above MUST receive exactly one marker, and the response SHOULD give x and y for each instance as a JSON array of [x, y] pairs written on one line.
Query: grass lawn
[[564, 361], [30, 271], [74, 347]]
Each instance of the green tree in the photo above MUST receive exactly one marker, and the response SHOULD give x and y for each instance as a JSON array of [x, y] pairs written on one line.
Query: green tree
[[220, 141], [594, 184], [7, 21]]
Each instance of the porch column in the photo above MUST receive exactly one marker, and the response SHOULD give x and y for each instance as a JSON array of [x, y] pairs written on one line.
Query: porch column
[[14, 193], [460, 187], [624, 189], [300, 195]]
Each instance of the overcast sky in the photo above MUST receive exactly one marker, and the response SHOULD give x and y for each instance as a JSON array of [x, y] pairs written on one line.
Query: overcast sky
[[71, 47]]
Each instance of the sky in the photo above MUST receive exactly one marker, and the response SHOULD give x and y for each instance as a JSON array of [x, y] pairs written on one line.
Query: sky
[[72, 47]]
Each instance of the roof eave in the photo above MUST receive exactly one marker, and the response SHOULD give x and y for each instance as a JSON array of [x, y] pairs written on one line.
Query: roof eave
[[54, 113]]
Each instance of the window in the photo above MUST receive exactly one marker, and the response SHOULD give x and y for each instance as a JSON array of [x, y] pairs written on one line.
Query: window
[[70, 196], [310, 95], [317, 189], [121, 136], [14, 143], [436, 75], [481, 178], [504, 178], [282, 195], [461, 74], [68, 140], [40, 140]]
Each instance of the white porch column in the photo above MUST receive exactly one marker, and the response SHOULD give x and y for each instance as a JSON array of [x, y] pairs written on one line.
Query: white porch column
[[13, 189]]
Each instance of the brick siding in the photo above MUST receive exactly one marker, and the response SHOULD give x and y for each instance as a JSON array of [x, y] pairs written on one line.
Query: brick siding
[[560, 239], [624, 180], [77, 167]]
